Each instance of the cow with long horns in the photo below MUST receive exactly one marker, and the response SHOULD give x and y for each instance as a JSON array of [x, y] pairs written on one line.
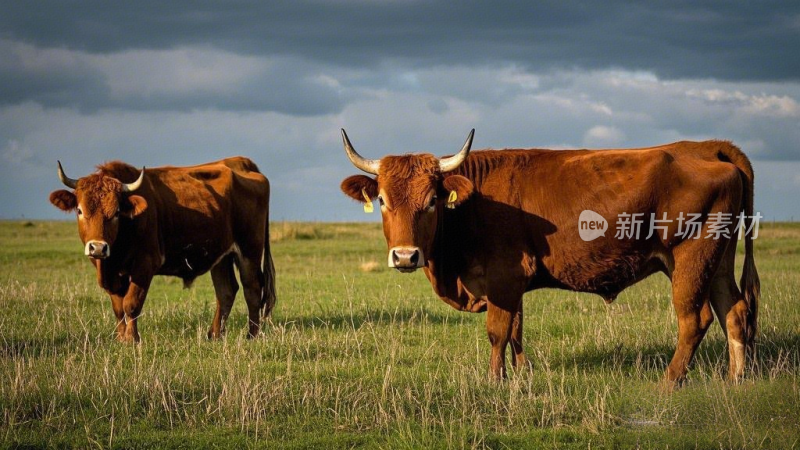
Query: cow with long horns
[[178, 221], [488, 226]]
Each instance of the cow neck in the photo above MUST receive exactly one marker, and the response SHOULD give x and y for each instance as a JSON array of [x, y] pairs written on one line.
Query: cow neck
[[109, 274], [450, 243], [111, 271], [456, 241]]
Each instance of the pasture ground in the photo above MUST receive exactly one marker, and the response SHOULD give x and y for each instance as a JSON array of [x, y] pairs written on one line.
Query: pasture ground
[[361, 356]]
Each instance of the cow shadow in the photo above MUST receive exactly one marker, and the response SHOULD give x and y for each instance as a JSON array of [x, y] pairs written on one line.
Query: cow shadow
[[379, 317], [774, 353], [484, 222]]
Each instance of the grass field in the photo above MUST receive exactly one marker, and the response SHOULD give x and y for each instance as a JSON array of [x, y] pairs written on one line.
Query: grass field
[[361, 356]]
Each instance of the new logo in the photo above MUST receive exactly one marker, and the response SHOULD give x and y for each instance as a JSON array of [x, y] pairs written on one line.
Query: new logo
[[591, 225]]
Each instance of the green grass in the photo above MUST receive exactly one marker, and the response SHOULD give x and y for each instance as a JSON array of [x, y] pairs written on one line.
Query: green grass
[[367, 357]]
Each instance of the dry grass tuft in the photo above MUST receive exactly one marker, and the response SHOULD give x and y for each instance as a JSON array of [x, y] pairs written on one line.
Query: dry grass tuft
[[291, 231], [356, 355], [370, 266]]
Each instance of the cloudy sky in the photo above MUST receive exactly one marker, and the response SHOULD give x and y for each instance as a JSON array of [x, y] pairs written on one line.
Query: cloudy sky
[[180, 83]]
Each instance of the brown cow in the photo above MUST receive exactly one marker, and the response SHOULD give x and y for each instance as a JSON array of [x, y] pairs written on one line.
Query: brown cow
[[488, 226], [179, 221]]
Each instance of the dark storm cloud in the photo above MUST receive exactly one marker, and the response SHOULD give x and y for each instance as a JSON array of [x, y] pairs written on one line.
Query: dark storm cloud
[[282, 91], [179, 83], [676, 39], [60, 82], [173, 80]]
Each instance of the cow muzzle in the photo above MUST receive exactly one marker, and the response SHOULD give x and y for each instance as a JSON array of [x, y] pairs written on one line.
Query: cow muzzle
[[406, 259], [97, 250]]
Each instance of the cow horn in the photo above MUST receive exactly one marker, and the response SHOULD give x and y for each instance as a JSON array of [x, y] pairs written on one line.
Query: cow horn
[[68, 182], [367, 165], [130, 187], [451, 163]]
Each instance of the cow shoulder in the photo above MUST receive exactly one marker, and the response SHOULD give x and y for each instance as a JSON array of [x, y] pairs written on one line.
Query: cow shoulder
[[240, 164], [123, 172]]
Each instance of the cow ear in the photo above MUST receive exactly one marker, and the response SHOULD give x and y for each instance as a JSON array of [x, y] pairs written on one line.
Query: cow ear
[[354, 187], [64, 200], [460, 185], [136, 205]]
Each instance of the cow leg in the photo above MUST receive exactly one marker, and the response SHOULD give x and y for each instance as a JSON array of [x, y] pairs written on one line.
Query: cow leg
[[252, 276], [225, 287], [499, 323], [520, 361], [696, 261], [731, 310], [132, 306], [694, 318], [119, 313]]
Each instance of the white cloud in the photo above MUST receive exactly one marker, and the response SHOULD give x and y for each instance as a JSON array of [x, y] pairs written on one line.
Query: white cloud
[[181, 70], [515, 76], [779, 106], [603, 136], [25, 57], [326, 80], [575, 103], [773, 106]]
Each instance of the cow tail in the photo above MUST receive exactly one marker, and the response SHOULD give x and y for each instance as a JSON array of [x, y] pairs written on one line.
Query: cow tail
[[268, 268], [268, 293], [749, 284]]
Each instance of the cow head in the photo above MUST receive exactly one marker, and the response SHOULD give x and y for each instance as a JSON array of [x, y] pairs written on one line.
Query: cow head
[[411, 190], [99, 202]]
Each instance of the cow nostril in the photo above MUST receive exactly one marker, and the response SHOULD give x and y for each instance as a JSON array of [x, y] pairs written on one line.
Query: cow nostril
[[405, 257], [395, 257], [98, 249]]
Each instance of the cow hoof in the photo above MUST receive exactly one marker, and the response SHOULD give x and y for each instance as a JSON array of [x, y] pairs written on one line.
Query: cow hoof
[[735, 379], [669, 386], [498, 376], [522, 364], [213, 336], [128, 339]]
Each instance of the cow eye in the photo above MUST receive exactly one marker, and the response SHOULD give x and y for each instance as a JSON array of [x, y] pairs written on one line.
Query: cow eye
[[380, 200], [432, 203], [80, 211]]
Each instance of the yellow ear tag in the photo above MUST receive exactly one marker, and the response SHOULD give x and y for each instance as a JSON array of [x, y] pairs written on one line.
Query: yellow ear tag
[[368, 208], [451, 200]]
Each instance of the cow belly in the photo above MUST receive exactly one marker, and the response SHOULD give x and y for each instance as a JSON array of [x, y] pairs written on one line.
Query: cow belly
[[193, 260], [612, 277]]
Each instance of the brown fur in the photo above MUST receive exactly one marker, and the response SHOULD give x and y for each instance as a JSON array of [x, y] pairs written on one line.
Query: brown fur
[[408, 177], [516, 230], [102, 194], [181, 222]]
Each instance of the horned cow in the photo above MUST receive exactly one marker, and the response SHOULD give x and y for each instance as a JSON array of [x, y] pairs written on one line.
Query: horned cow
[[488, 226], [177, 221]]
